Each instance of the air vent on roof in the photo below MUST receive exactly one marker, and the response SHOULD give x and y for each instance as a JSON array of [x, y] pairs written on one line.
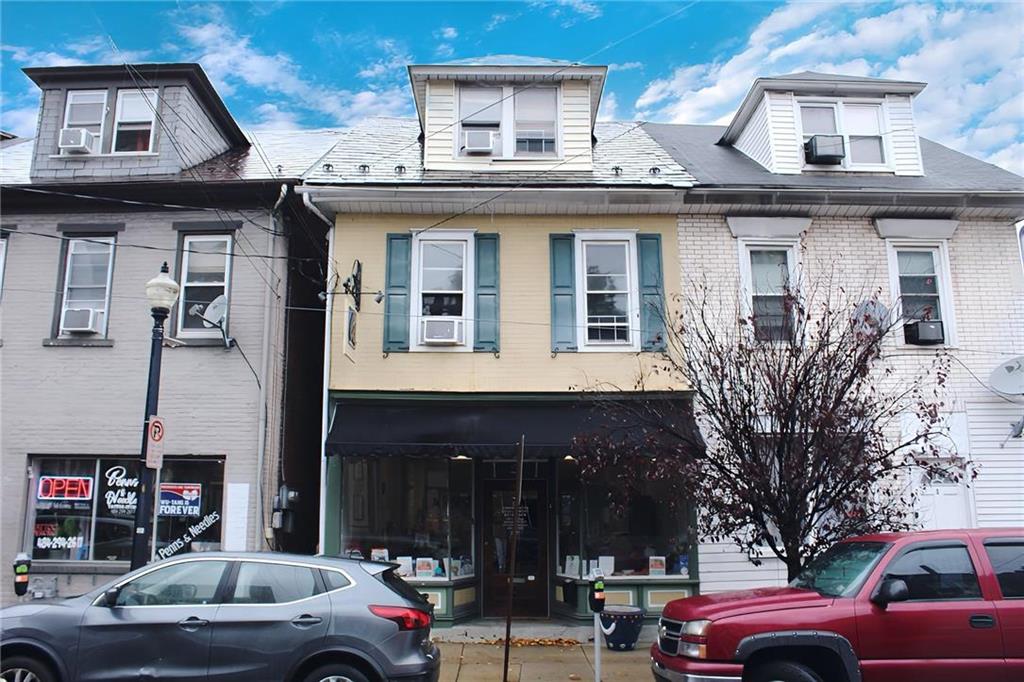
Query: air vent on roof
[[328, 167], [617, 170], [655, 170], [364, 169], [824, 150], [399, 169]]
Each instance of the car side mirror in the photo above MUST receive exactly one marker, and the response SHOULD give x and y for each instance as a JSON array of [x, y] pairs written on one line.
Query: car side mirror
[[110, 597], [891, 590]]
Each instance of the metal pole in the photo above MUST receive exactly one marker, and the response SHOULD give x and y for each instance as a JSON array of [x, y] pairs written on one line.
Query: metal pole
[[142, 540], [517, 501], [597, 647]]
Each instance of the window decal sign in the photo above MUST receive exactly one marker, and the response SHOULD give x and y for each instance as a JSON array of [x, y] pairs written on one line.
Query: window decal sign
[[64, 488], [121, 493], [180, 499]]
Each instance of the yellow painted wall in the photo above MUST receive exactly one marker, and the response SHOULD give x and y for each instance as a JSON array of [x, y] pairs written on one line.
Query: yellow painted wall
[[525, 363]]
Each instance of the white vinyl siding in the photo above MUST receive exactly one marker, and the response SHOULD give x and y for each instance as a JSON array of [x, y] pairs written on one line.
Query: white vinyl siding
[[787, 147], [442, 133], [755, 140], [134, 121], [206, 272], [87, 109], [87, 273], [903, 141]]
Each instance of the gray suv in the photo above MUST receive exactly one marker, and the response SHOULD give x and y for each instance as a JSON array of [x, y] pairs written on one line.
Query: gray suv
[[227, 617]]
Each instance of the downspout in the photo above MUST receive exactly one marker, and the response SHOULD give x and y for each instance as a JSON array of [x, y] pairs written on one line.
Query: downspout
[[261, 434], [325, 419]]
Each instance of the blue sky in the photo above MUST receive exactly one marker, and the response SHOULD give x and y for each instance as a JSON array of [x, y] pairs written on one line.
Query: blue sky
[[295, 64]]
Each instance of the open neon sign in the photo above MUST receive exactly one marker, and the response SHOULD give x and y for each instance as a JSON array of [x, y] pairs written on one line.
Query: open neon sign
[[65, 488]]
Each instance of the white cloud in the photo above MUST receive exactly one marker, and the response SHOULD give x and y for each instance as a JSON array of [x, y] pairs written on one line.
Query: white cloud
[[391, 65], [608, 111], [569, 12], [232, 61], [447, 33], [444, 50], [273, 117], [625, 66], [21, 121], [970, 56], [497, 20], [30, 57]]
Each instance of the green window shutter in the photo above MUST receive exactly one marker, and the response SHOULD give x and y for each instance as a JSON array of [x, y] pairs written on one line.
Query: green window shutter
[[485, 308], [563, 293], [396, 293], [652, 295]]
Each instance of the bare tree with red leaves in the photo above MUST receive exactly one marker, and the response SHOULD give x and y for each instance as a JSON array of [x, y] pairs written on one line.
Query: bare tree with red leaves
[[803, 422]]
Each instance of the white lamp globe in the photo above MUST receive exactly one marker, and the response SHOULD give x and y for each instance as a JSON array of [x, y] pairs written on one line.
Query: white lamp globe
[[162, 291]]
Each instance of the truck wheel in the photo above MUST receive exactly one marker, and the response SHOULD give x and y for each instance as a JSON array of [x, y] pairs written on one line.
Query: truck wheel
[[784, 671], [25, 669]]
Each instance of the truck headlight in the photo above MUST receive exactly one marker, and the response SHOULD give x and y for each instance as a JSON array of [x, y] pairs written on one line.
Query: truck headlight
[[693, 640]]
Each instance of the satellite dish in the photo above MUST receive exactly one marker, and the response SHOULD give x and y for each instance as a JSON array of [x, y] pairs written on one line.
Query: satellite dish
[[1008, 378], [215, 314], [870, 315]]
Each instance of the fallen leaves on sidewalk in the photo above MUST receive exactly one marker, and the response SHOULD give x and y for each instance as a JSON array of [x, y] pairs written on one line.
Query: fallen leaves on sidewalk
[[563, 642]]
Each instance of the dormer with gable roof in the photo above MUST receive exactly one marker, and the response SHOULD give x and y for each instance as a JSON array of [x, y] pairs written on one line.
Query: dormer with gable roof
[[115, 122], [507, 114], [813, 122]]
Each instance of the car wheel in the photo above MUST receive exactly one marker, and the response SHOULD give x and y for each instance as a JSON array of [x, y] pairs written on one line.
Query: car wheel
[[336, 672], [784, 671], [25, 669]]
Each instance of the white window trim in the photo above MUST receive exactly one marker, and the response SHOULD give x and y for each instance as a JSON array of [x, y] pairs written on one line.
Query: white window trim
[[103, 119], [152, 121], [940, 247], [213, 332], [745, 246], [628, 236], [110, 277], [837, 106], [507, 127], [468, 296]]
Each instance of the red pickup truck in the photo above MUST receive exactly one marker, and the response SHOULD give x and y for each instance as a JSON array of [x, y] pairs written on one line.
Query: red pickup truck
[[933, 606]]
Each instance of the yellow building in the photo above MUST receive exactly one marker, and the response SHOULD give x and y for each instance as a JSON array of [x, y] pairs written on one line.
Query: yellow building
[[497, 263]]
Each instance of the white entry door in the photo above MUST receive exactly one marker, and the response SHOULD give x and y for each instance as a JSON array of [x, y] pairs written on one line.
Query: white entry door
[[943, 504]]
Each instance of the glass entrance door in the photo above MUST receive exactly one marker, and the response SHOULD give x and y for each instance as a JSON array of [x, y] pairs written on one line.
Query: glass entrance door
[[530, 578]]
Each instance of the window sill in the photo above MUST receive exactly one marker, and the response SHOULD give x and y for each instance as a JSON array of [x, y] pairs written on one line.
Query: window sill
[[180, 342], [63, 567], [107, 155], [81, 343]]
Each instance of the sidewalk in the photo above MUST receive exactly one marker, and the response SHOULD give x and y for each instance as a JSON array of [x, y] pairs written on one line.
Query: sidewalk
[[461, 662]]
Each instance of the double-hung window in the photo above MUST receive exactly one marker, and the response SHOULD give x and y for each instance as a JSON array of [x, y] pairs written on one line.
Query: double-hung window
[[86, 296], [206, 272], [134, 120], [87, 109], [608, 309], [535, 121], [767, 271], [859, 124], [443, 271], [920, 278], [508, 122]]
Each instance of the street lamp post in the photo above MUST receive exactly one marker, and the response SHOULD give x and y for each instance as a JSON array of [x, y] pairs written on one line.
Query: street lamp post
[[162, 292]]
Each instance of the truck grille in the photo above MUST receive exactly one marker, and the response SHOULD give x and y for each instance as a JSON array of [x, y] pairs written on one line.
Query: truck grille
[[669, 632]]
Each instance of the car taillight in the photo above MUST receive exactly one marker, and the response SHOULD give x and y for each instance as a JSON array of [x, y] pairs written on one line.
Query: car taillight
[[405, 618]]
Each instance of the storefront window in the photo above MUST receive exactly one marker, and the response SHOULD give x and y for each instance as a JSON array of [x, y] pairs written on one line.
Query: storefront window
[[647, 538], [415, 512], [568, 514], [84, 508]]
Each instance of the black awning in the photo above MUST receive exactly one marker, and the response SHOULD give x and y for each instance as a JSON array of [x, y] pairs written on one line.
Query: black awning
[[475, 428]]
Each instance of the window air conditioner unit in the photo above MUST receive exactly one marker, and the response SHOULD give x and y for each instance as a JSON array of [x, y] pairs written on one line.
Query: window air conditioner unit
[[824, 150], [478, 141], [76, 140], [79, 321], [442, 331], [924, 333]]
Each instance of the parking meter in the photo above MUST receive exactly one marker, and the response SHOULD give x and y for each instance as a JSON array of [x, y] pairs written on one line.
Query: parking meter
[[22, 564], [596, 598], [597, 594]]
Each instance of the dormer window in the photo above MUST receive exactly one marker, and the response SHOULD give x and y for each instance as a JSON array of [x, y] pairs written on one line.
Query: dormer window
[[86, 110], [858, 124], [133, 121], [506, 122], [536, 121]]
